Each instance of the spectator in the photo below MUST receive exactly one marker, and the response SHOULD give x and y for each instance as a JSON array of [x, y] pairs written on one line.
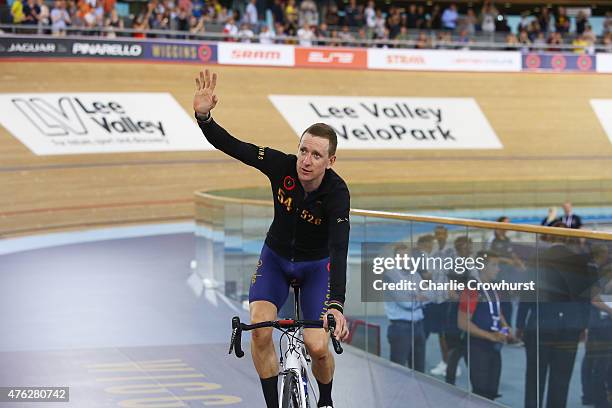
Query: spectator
[[245, 34], [370, 19], [581, 22], [422, 18], [553, 326], [230, 29], [412, 17], [589, 35], [481, 317], [182, 20], [600, 333], [456, 341], [291, 13], [540, 42], [44, 19], [351, 14], [608, 42], [266, 36], [524, 22], [305, 36], [250, 14], [423, 41], [533, 30], [488, 17], [279, 33], [197, 25], [607, 25], [550, 218], [555, 39], [394, 26], [435, 18], [112, 23], [31, 11], [17, 12], [512, 42], [332, 18], [580, 44], [322, 33], [59, 18], [140, 25], [403, 36], [449, 17], [406, 334], [544, 20], [379, 29], [569, 219], [593, 381], [468, 22], [524, 40], [362, 38], [436, 312], [308, 13], [278, 16], [562, 22], [346, 36]]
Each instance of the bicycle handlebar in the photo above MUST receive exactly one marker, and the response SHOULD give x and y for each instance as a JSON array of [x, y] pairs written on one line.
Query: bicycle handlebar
[[238, 328]]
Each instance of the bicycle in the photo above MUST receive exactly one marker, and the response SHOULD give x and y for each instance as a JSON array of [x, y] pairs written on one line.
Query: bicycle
[[294, 362]]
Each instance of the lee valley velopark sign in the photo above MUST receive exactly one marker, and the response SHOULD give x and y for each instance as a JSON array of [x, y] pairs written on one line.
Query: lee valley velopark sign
[[74, 123], [392, 122]]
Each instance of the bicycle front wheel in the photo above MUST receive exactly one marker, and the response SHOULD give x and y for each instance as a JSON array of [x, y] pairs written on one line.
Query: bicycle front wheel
[[291, 391]]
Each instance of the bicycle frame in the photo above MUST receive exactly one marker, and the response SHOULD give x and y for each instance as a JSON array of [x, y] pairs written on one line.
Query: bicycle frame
[[295, 361]]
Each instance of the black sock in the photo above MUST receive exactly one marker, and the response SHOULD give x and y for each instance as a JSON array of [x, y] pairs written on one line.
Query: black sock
[[270, 391], [325, 394]]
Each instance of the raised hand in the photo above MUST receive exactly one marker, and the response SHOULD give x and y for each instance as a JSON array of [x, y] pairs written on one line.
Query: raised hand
[[205, 99]]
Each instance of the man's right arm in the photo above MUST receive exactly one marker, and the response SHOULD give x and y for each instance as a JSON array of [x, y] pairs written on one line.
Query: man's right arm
[[262, 158]]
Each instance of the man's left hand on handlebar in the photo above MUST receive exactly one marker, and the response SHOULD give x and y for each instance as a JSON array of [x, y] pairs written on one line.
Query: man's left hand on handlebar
[[341, 333]]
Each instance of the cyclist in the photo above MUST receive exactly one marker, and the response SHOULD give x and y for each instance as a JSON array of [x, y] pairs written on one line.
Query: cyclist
[[307, 242]]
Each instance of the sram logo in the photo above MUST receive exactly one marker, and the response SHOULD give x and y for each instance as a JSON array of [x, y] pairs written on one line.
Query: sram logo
[[329, 57]]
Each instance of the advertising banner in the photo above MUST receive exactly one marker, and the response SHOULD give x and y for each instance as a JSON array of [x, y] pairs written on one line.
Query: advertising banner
[[392, 122], [75, 123]]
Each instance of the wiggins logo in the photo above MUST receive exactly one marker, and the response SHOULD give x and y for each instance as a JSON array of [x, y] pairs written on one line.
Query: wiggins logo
[[256, 274]]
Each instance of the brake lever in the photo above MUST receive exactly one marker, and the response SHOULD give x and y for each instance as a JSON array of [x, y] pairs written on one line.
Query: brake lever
[[331, 325]]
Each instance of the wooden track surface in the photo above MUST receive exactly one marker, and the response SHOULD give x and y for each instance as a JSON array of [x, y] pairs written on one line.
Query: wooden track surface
[[544, 121]]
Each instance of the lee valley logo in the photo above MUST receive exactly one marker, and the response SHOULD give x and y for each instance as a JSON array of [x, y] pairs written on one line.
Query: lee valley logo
[[393, 123], [98, 123]]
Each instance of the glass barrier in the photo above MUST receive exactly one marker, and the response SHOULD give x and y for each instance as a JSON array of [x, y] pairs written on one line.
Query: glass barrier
[[520, 315]]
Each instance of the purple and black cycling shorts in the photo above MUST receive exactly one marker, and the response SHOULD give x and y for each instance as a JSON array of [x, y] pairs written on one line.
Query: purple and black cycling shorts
[[274, 275]]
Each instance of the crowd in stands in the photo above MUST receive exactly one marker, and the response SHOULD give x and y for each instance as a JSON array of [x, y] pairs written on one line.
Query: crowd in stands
[[311, 23]]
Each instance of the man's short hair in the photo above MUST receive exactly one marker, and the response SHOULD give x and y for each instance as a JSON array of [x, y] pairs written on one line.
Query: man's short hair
[[326, 132]]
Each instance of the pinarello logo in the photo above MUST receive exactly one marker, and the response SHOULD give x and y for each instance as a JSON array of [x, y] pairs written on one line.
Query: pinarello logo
[[533, 61], [204, 53], [328, 267], [558, 62], [289, 183], [330, 57]]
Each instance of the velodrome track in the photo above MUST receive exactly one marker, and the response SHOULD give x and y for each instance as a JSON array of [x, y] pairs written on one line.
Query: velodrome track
[[544, 121]]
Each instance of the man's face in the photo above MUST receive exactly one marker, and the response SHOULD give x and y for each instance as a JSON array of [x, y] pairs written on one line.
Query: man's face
[[313, 157], [567, 207], [441, 234]]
